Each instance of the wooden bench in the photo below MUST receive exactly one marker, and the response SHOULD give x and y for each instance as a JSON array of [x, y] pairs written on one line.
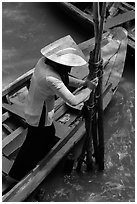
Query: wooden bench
[[13, 141], [6, 165]]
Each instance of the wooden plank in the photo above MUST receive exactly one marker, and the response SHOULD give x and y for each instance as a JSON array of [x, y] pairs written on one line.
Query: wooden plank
[[6, 165], [5, 116], [14, 141], [119, 19], [131, 43], [128, 6], [17, 84], [11, 137], [76, 11], [15, 109], [7, 128], [130, 35]]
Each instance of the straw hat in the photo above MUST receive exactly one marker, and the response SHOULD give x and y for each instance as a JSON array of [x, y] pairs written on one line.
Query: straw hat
[[64, 51]]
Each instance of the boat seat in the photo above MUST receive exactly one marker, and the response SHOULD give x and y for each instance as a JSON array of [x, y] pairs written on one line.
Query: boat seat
[[5, 116], [13, 141], [6, 165], [15, 109], [119, 19]]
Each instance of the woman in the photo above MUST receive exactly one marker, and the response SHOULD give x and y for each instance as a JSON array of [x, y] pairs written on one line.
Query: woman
[[50, 78]]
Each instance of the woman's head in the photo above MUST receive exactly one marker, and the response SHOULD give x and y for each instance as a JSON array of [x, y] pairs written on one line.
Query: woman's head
[[58, 67]]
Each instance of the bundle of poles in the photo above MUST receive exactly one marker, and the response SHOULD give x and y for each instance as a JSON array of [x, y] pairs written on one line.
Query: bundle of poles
[[93, 108]]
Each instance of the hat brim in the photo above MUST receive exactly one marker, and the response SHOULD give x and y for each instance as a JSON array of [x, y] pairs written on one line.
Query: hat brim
[[65, 51]]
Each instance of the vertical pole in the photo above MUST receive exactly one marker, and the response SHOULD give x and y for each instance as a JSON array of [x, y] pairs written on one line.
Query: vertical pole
[[100, 99], [94, 127], [91, 121]]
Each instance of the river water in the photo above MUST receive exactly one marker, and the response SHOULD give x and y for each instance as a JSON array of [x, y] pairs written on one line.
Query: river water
[[26, 28]]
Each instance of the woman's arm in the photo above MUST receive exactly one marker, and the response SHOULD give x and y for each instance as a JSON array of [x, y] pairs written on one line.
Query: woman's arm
[[62, 91], [75, 82]]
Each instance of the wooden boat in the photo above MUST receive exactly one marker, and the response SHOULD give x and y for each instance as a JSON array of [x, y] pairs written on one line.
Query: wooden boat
[[83, 14], [69, 122]]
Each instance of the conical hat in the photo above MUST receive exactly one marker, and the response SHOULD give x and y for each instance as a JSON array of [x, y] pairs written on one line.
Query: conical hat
[[64, 51]]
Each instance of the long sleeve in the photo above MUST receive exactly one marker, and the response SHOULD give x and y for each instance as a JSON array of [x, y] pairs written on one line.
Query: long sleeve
[[62, 91]]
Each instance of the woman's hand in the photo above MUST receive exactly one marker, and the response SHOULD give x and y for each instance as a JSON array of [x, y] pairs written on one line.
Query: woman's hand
[[91, 84]]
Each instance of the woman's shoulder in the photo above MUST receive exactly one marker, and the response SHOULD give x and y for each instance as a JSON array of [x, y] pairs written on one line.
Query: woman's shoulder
[[46, 73]]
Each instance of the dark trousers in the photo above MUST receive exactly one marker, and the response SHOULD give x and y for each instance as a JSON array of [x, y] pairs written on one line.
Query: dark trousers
[[37, 144]]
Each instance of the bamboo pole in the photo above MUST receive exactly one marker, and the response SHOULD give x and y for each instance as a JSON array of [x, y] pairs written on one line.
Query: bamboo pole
[[100, 100], [99, 152], [96, 28], [98, 48], [91, 122], [89, 109]]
